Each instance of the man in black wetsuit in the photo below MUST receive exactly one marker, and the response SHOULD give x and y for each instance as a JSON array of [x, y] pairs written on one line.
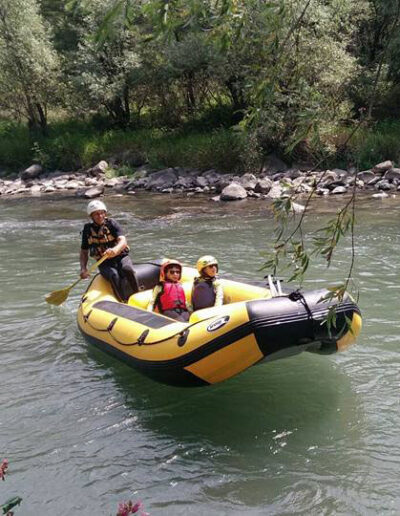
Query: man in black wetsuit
[[104, 236]]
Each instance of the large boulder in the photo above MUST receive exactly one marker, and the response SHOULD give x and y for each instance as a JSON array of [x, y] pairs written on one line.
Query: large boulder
[[162, 179], [367, 176], [339, 190], [212, 176], [272, 164], [385, 185], [91, 193], [185, 182], [392, 174], [381, 168], [248, 181], [233, 192], [292, 173], [263, 185], [31, 172], [275, 192], [201, 181], [98, 170]]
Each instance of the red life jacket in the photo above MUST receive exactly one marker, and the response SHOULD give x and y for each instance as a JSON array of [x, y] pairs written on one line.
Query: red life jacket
[[171, 297]]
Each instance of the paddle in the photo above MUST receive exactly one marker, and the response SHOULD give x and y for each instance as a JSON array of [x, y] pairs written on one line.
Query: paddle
[[59, 296]]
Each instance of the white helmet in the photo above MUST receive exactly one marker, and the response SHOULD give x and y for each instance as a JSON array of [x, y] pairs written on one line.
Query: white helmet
[[95, 206]]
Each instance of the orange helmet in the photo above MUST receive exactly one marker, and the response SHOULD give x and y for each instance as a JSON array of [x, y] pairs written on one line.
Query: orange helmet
[[165, 266]]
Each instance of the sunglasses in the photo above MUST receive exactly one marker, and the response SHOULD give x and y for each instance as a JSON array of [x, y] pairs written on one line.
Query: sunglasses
[[174, 271]]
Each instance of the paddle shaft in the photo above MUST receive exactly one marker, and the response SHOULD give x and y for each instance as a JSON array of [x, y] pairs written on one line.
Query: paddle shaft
[[91, 269]]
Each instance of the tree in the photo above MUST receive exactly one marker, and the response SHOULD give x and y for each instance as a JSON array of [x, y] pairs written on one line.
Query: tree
[[28, 62], [103, 65]]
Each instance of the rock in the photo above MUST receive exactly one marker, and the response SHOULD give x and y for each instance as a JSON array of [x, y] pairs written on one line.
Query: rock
[[161, 179], [216, 198], [248, 181], [233, 192], [98, 170], [90, 181], [263, 185], [292, 173], [73, 185], [212, 176], [342, 174], [275, 192], [35, 189], [385, 185], [273, 164], [381, 195], [366, 176], [339, 190], [94, 192], [297, 208], [253, 194], [381, 168], [112, 182], [224, 180], [49, 189], [201, 181], [322, 191], [278, 176], [32, 172], [185, 182], [392, 174]]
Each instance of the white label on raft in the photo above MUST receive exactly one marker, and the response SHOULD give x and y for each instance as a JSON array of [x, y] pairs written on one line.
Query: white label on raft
[[215, 325]]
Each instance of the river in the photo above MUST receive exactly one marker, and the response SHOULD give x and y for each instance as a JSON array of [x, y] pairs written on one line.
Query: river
[[82, 431]]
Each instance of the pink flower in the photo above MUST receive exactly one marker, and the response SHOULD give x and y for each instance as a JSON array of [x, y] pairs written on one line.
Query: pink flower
[[127, 508], [3, 469], [124, 509], [136, 507]]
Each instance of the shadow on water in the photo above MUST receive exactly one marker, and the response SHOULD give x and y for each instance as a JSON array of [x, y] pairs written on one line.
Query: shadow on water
[[305, 394]]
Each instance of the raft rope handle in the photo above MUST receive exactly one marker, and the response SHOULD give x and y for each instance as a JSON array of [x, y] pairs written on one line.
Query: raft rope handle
[[296, 295], [183, 334]]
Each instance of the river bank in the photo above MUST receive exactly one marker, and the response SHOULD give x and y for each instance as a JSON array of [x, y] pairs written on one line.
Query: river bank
[[275, 180]]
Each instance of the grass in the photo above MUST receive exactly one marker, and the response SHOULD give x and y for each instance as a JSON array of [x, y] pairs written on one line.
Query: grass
[[75, 144], [71, 145]]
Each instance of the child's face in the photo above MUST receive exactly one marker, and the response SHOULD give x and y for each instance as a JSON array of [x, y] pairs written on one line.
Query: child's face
[[173, 274], [211, 270]]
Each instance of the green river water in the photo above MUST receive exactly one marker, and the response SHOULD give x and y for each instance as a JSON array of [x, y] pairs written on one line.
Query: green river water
[[309, 435]]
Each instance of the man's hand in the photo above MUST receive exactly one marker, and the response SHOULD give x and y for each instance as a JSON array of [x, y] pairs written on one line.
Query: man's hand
[[110, 252], [84, 273]]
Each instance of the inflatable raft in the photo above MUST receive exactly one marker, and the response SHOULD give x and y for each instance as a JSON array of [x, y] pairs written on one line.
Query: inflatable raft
[[217, 343]]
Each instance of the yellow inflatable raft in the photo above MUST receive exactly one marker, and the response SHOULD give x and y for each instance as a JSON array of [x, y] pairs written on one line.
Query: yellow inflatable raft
[[216, 343]]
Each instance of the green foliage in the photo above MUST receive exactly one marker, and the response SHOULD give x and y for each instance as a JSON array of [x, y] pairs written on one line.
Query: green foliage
[[294, 75], [219, 149], [73, 145], [379, 143], [29, 65]]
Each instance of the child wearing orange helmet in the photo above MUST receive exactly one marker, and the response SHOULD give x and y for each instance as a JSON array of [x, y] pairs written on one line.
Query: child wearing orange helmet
[[169, 296]]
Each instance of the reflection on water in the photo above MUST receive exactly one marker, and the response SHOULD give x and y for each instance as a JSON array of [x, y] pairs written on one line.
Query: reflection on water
[[82, 431]]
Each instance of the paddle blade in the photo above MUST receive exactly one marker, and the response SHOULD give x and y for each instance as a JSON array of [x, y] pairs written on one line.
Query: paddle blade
[[58, 296]]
